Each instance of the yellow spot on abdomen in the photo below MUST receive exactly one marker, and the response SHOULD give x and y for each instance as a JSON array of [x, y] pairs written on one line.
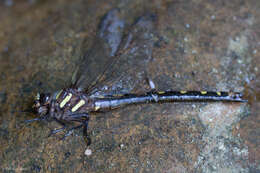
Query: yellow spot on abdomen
[[78, 105], [161, 92], [65, 100], [183, 92], [219, 93], [203, 92]]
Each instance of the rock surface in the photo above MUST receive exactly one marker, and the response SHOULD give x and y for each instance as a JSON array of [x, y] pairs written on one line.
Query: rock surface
[[192, 45]]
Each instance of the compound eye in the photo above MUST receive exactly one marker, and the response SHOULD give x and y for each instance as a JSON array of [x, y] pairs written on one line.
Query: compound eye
[[44, 98]]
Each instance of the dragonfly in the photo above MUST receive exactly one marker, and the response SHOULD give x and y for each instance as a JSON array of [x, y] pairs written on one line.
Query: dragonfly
[[80, 99]]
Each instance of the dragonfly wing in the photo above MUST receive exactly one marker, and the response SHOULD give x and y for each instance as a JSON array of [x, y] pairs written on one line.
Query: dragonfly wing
[[135, 51], [100, 55]]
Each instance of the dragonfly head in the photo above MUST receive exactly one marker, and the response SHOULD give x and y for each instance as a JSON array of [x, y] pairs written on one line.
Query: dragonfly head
[[42, 103]]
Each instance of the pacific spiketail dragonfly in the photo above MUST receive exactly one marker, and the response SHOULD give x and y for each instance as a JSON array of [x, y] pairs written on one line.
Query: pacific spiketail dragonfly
[[77, 102]]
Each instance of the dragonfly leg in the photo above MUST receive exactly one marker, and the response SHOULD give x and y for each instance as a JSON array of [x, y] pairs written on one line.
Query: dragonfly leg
[[58, 130], [85, 127], [85, 133], [151, 84], [78, 116], [75, 117], [35, 119], [32, 120], [69, 132]]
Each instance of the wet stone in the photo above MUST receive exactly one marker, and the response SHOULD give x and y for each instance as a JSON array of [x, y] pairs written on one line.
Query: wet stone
[[219, 54], [36, 168]]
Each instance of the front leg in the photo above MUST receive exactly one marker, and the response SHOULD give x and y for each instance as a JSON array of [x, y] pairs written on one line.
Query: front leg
[[35, 119]]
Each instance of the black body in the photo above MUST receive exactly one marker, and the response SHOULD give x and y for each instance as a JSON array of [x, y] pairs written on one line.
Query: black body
[[165, 96]]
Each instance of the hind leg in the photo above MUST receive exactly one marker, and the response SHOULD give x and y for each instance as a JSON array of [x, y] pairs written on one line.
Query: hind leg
[[85, 132], [58, 130], [69, 132], [84, 124]]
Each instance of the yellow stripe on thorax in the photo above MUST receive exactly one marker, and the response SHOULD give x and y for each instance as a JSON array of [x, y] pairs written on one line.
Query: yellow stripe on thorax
[[78, 105], [58, 94], [65, 100]]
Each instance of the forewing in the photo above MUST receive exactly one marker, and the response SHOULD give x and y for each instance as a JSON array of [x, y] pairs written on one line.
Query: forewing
[[129, 71], [99, 55]]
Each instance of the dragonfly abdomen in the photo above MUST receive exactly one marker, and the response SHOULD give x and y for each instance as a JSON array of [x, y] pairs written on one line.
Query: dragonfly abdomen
[[115, 101]]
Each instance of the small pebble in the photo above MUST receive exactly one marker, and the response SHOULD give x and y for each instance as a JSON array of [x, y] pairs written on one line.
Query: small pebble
[[122, 145], [213, 17], [193, 51], [88, 152]]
